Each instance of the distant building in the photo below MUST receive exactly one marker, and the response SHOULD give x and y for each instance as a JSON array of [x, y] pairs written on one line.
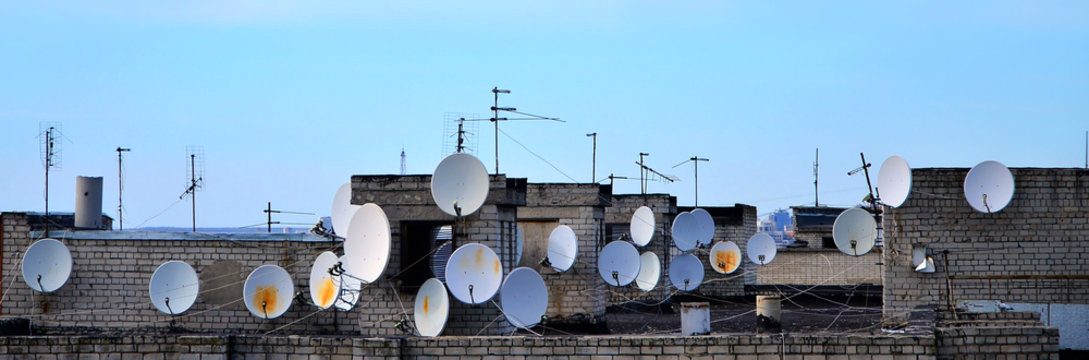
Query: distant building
[[780, 226]]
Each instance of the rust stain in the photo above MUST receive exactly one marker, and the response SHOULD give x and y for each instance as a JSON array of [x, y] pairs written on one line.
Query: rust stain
[[265, 299], [427, 304], [496, 267], [726, 260], [326, 291], [479, 257]]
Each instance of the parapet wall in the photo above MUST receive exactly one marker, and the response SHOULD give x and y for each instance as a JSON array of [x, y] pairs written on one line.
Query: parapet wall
[[1033, 251]]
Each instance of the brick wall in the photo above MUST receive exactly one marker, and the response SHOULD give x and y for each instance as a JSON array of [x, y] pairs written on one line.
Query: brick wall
[[1040, 236], [805, 266], [738, 229], [817, 347], [664, 207], [576, 295], [995, 342], [108, 288], [408, 198]]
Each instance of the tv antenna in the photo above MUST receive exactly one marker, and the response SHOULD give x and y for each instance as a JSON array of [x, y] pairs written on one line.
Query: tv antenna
[[871, 198], [495, 119], [593, 163], [48, 132], [269, 211], [612, 178], [404, 168], [120, 188], [455, 133], [195, 155], [816, 176], [646, 173], [695, 160]]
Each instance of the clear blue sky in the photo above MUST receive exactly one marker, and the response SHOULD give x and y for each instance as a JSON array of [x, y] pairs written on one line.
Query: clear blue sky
[[291, 98]]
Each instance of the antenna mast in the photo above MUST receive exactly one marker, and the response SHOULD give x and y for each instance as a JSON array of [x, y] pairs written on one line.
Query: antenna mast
[[120, 188], [495, 119], [196, 178], [696, 165], [593, 163], [816, 177], [50, 155], [403, 167], [646, 171]]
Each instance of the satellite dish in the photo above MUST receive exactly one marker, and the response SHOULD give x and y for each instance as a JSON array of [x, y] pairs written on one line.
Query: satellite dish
[[918, 255], [894, 181], [989, 187], [854, 231], [642, 226], [725, 257], [323, 288], [686, 272], [686, 231], [350, 286], [761, 248], [343, 209], [563, 248], [926, 267], [706, 233], [618, 264], [432, 308], [650, 271], [474, 273], [462, 180], [268, 292], [46, 265], [368, 243], [524, 298], [174, 287]]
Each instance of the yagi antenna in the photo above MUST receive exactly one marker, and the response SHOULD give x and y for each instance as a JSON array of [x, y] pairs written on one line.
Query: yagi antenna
[[195, 181], [458, 135], [49, 132], [695, 160], [646, 172], [495, 119]]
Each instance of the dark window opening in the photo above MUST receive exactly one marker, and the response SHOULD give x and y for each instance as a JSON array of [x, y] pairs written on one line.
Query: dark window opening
[[828, 242], [418, 239]]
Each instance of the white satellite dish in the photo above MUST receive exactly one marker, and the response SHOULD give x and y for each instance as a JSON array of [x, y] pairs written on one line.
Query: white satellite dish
[[725, 257], [706, 227], [854, 231], [926, 267], [368, 243], [686, 272], [685, 231], [350, 286], [642, 226], [761, 249], [474, 273], [324, 289], [460, 183], [174, 287], [618, 264], [46, 265], [343, 209], [268, 292], [524, 298], [894, 181], [650, 271], [989, 187], [432, 308], [563, 248], [918, 255]]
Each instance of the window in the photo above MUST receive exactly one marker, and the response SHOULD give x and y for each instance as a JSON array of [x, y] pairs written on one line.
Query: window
[[418, 239], [828, 242]]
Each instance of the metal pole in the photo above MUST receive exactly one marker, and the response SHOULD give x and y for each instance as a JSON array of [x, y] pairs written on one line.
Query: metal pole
[[269, 211], [593, 163], [697, 181], [193, 186], [120, 189], [48, 164], [816, 177], [495, 120], [1087, 149]]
